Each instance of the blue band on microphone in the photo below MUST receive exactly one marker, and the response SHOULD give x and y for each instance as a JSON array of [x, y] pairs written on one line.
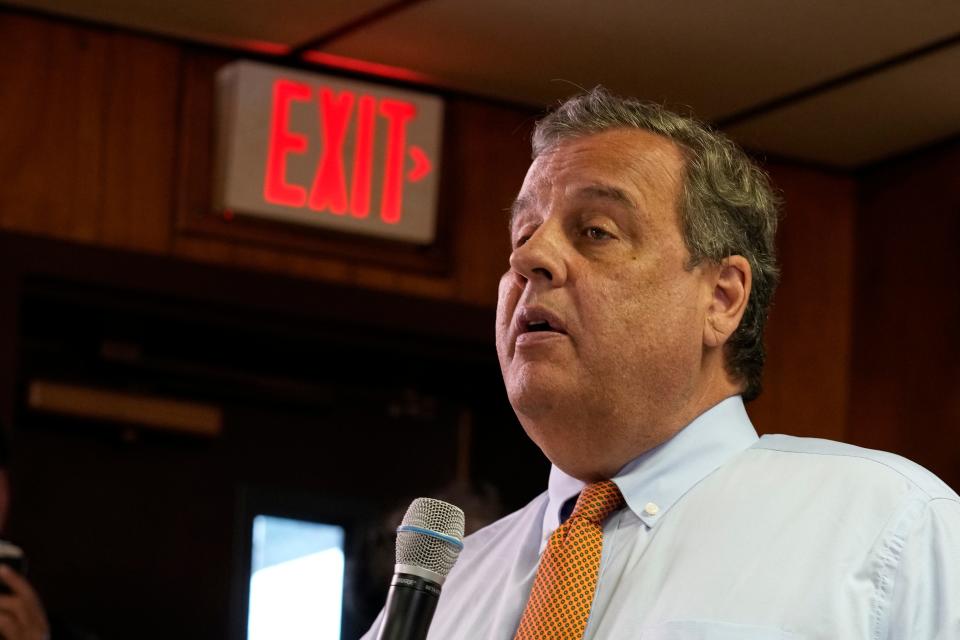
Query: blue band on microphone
[[409, 528]]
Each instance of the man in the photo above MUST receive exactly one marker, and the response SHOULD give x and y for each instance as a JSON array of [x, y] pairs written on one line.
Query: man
[[629, 333], [21, 613]]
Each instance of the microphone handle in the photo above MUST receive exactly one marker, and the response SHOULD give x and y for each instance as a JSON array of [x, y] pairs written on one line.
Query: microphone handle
[[409, 609]]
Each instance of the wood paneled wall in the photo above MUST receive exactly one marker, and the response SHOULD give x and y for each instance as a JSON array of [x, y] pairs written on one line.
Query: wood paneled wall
[[905, 382], [93, 150], [97, 148], [806, 378]]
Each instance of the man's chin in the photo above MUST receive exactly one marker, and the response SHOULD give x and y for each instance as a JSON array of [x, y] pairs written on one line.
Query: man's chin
[[538, 382], [534, 402]]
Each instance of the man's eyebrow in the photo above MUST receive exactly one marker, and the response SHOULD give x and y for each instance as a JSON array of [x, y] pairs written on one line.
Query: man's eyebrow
[[597, 191], [606, 192], [522, 202]]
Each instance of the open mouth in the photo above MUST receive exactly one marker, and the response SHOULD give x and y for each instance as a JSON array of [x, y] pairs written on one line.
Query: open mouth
[[541, 325], [534, 320]]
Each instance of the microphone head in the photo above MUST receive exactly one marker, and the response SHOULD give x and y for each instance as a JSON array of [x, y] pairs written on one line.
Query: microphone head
[[430, 538]]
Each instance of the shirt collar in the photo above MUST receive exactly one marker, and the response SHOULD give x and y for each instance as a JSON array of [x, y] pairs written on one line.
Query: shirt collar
[[561, 488], [654, 482]]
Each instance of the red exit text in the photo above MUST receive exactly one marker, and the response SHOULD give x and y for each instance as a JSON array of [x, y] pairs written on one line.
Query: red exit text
[[339, 113]]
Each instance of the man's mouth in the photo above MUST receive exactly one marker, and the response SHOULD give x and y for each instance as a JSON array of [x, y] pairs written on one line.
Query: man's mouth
[[542, 325], [534, 320]]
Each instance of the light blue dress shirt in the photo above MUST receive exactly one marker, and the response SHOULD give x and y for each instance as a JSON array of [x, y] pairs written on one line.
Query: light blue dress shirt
[[727, 536]]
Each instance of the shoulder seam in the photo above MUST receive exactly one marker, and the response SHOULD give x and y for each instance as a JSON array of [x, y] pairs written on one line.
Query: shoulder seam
[[912, 482]]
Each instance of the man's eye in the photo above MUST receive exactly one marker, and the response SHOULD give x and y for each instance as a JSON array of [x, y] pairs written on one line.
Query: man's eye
[[519, 242], [597, 233]]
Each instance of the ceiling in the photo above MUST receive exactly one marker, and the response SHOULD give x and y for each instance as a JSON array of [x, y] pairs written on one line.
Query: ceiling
[[844, 83]]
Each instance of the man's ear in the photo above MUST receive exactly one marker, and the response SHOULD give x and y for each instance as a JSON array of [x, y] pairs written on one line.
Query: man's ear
[[729, 300]]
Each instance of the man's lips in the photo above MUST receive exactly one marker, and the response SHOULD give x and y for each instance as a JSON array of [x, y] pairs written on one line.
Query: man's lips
[[532, 320]]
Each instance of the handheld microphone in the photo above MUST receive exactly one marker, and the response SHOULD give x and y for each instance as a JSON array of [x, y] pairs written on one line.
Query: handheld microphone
[[429, 539]]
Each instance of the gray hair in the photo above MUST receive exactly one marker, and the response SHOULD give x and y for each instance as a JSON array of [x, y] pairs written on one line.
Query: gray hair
[[728, 206]]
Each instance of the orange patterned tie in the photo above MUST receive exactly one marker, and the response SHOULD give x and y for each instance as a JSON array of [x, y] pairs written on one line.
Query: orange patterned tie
[[562, 593]]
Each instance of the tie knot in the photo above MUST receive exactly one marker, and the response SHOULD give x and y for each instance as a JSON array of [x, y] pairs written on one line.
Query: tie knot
[[597, 501]]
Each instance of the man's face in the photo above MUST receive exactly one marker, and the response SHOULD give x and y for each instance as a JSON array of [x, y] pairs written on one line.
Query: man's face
[[598, 256]]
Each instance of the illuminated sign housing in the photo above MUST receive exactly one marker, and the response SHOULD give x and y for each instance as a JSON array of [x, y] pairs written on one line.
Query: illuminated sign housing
[[322, 151]]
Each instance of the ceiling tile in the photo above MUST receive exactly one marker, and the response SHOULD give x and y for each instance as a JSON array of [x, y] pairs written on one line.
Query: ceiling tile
[[908, 106], [243, 23], [718, 57]]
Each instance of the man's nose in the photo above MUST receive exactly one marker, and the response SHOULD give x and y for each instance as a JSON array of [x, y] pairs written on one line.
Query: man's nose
[[541, 257]]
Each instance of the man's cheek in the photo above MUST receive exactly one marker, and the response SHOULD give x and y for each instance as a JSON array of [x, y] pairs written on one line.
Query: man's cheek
[[507, 296], [502, 329], [507, 282]]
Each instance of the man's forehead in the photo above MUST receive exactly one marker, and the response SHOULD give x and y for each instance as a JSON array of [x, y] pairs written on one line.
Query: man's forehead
[[620, 166]]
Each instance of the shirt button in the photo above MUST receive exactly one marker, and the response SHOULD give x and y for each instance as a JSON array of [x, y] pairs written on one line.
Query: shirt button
[[651, 509]]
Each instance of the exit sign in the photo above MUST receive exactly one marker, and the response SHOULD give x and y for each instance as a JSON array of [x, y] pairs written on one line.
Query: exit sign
[[318, 150]]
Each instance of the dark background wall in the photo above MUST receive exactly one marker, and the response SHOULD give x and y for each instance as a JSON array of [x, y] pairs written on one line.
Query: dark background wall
[[332, 363], [905, 374]]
